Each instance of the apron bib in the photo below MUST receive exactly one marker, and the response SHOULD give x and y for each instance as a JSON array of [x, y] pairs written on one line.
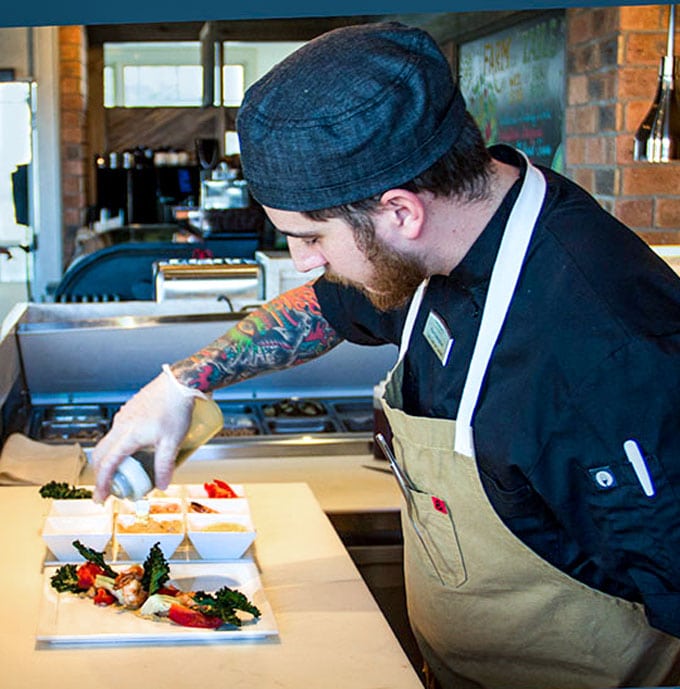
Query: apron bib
[[486, 610]]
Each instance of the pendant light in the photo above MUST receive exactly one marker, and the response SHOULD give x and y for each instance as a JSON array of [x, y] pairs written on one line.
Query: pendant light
[[657, 139]]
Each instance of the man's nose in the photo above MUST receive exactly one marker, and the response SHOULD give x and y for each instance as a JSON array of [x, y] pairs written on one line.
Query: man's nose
[[305, 256]]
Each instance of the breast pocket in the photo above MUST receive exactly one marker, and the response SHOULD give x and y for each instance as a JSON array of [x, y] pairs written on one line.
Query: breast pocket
[[435, 531]]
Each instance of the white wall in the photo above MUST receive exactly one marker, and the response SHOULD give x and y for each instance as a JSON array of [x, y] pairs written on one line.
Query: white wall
[[47, 168], [14, 50], [11, 293]]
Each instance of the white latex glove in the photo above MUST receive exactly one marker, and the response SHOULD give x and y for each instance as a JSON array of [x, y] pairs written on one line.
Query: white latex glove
[[158, 417]]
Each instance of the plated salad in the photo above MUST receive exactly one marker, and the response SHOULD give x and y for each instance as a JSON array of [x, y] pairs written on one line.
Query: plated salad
[[147, 590], [60, 490]]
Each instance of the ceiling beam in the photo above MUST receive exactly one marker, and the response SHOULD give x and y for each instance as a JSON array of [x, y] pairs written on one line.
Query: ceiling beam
[[297, 29]]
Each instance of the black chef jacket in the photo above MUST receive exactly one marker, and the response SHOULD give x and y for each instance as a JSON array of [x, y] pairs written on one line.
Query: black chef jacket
[[588, 358]]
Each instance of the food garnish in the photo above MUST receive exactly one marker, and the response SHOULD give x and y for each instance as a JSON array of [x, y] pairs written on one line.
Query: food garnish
[[156, 570], [66, 579], [192, 617], [224, 603], [200, 508], [95, 557], [219, 489], [145, 589], [61, 490]]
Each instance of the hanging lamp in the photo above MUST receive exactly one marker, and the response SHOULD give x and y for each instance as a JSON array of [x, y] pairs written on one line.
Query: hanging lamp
[[657, 139]]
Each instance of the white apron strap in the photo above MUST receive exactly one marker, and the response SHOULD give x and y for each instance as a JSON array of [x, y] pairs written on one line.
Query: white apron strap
[[410, 321], [504, 278]]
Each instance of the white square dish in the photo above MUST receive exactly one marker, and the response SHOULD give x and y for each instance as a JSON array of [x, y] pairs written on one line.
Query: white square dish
[[92, 530], [220, 536], [138, 544], [78, 508]]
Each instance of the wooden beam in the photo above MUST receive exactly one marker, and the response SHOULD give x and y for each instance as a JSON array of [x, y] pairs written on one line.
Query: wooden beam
[[297, 29]]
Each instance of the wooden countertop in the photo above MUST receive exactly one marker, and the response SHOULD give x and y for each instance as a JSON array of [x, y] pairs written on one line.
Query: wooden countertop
[[332, 634]]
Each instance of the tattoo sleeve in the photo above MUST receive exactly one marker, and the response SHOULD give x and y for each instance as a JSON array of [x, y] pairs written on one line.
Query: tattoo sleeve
[[285, 332]]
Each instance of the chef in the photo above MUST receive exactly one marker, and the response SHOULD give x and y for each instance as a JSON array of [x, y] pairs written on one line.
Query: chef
[[534, 404]]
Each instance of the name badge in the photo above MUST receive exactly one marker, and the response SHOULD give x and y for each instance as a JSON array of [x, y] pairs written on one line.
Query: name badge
[[438, 337]]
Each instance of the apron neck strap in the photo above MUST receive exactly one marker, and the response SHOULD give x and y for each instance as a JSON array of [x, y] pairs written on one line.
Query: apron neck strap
[[411, 316], [504, 277]]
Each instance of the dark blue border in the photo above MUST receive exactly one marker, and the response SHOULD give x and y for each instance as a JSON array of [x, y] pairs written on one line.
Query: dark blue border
[[67, 12]]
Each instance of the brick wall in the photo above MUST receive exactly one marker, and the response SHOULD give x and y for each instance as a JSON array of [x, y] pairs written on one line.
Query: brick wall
[[73, 117], [613, 56]]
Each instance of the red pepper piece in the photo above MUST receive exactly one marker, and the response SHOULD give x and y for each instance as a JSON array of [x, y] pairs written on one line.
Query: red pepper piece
[[169, 590], [224, 486], [219, 489], [103, 597], [188, 617], [87, 573]]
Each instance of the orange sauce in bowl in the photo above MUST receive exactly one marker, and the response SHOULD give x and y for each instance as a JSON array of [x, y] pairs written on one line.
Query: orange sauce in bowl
[[165, 508], [151, 526]]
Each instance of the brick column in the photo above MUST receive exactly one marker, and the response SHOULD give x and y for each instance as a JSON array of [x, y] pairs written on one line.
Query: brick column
[[74, 150], [613, 56]]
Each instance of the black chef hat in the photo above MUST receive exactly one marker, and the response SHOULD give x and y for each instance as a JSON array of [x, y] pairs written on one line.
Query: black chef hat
[[355, 112]]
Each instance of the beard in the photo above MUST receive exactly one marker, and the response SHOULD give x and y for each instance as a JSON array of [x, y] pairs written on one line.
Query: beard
[[395, 277]]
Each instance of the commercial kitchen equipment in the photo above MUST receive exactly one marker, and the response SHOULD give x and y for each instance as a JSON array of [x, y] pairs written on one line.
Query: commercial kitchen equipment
[[182, 278], [66, 368]]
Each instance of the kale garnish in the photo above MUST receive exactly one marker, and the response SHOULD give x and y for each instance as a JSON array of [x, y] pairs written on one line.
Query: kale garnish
[[224, 603], [156, 570], [61, 490], [96, 557], [66, 579]]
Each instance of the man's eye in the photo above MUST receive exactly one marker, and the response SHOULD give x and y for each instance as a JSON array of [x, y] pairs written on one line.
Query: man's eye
[[310, 241]]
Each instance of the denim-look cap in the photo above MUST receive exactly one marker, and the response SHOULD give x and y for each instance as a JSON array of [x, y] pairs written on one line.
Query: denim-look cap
[[354, 112]]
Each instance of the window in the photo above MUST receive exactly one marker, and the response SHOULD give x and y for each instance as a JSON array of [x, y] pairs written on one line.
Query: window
[[160, 85], [169, 74]]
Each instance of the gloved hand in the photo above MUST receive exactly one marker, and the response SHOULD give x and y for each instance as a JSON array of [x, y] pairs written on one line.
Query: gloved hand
[[158, 417]]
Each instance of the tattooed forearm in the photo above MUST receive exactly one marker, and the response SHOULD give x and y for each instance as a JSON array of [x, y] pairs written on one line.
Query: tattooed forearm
[[286, 331]]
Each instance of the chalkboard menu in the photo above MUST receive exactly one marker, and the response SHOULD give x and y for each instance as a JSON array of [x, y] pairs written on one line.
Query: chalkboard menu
[[514, 85]]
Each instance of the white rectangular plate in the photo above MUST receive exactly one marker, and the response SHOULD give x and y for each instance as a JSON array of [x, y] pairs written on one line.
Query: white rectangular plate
[[66, 618]]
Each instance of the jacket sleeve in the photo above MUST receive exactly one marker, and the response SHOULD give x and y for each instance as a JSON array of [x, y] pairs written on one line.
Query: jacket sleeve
[[354, 318], [624, 509]]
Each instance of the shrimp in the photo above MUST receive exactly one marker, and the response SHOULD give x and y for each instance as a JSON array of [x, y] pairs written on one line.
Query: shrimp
[[129, 585], [186, 598]]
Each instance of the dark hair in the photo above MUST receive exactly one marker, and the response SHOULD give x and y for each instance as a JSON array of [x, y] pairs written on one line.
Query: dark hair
[[462, 172]]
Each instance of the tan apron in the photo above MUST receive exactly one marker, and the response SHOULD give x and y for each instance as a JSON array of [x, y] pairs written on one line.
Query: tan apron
[[485, 609]]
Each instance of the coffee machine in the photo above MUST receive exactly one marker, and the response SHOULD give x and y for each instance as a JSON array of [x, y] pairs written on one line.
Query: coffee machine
[[134, 185]]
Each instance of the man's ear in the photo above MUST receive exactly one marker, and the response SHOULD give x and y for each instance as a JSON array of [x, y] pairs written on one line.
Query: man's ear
[[405, 212]]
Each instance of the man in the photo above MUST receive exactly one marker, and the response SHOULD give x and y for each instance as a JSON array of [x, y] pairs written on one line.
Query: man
[[534, 403]]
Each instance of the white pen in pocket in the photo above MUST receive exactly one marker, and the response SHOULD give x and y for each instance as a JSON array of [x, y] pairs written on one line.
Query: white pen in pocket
[[637, 461]]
